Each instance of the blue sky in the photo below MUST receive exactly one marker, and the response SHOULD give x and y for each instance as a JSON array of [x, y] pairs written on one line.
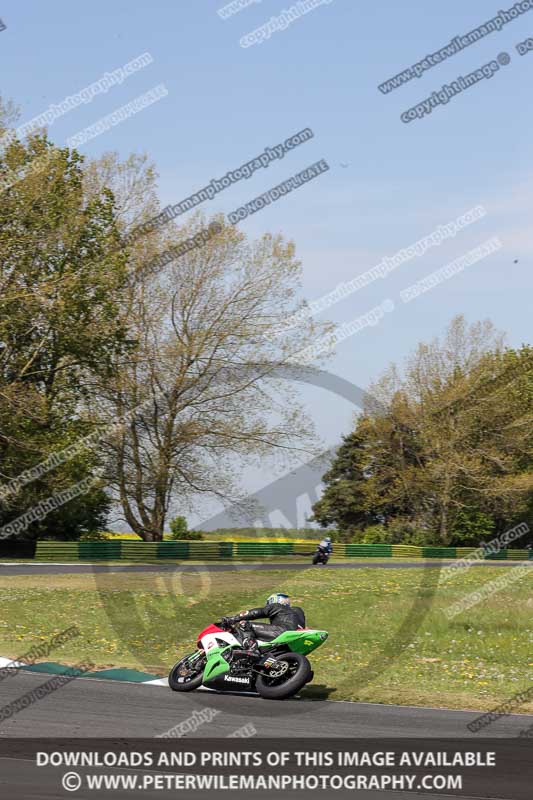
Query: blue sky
[[226, 103]]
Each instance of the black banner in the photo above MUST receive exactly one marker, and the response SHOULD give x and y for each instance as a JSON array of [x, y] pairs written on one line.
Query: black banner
[[284, 768], [15, 548]]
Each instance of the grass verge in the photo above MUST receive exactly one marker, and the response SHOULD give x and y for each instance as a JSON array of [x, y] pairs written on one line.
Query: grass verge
[[390, 640]]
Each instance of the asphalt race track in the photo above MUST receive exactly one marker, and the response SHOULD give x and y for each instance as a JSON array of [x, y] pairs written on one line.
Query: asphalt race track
[[100, 708], [87, 707], [40, 568]]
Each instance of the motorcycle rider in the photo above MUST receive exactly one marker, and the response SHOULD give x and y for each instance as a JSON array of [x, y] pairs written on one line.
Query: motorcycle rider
[[326, 545], [281, 615]]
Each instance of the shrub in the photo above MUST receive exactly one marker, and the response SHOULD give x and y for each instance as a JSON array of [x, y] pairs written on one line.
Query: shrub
[[470, 527], [179, 530], [374, 534], [396, 532]]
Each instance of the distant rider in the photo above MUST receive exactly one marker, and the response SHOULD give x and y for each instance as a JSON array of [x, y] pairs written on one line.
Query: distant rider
[[278, 611], [326, 545]]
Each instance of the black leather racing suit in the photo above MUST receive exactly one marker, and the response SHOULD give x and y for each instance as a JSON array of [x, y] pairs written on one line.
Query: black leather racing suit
[[282, 618]]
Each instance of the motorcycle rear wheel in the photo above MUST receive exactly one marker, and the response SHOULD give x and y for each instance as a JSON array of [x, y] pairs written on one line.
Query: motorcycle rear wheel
[[298, 674]]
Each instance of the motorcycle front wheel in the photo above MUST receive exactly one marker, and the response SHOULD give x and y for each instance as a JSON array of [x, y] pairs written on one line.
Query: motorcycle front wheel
[[285, 680], [187, 674]]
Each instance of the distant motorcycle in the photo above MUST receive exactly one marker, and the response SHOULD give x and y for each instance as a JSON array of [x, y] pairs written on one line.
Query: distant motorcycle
[[321, 555]]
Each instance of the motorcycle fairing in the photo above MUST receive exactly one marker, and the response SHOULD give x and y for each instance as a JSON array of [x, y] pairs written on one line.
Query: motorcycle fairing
[[218, 645], [302, 641]]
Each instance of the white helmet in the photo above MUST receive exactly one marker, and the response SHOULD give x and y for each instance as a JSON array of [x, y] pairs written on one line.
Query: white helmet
[[279, 598]]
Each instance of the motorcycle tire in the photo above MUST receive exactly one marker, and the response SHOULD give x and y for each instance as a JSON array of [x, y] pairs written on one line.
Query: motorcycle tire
[[271, 688], [184, 683]]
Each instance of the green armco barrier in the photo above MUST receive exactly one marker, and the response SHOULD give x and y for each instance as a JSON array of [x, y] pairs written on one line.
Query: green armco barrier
[[500, 556], [57, 551], [510, 555], [404, 551], [200, 551], [181, 550], [94, 550], [367, 550], [144, 551], [465, 552], [130, 550], [264, 548], [439, 552], [225, 549], [519, 555], [173, 550]]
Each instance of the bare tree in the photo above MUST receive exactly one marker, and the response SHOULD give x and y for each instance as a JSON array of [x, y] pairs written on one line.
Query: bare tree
[[202, 392]]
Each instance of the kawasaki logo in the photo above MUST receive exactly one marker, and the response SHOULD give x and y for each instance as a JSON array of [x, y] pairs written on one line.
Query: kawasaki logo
[[236, 680]]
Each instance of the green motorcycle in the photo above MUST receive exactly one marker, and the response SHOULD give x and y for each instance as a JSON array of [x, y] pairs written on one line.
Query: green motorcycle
[[220, 663]]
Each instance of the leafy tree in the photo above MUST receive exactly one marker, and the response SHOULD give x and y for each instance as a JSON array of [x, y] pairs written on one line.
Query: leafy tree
[[178, 527], [344, 502], [446, 455], [62, 273]]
